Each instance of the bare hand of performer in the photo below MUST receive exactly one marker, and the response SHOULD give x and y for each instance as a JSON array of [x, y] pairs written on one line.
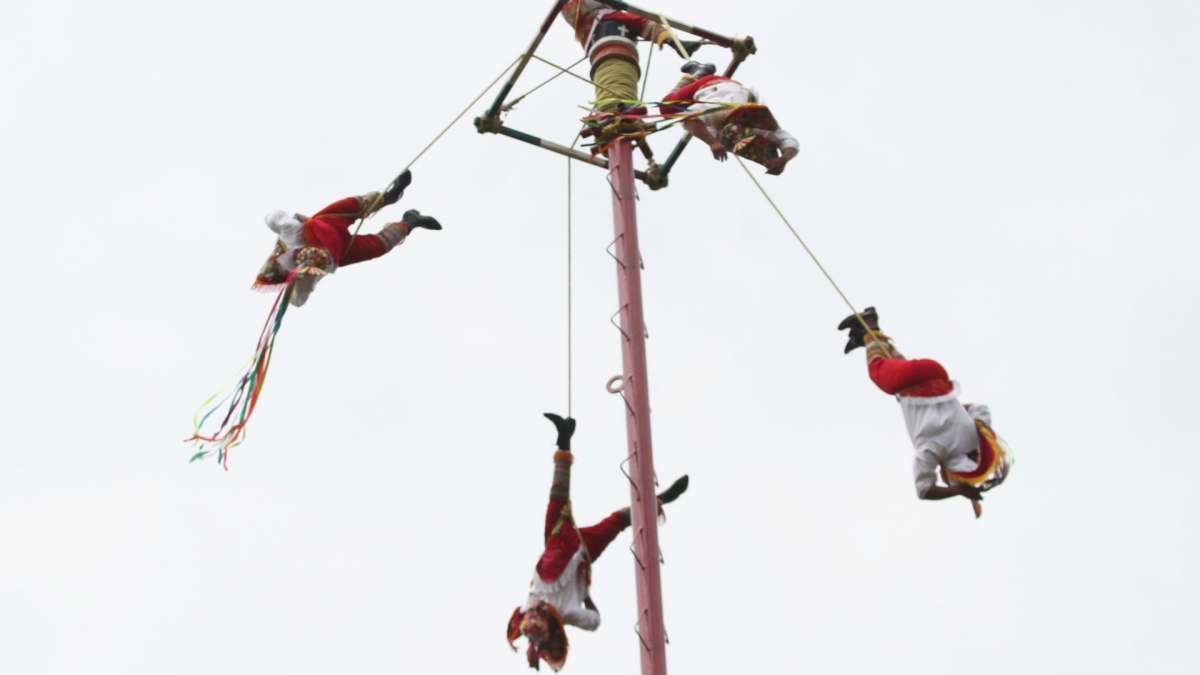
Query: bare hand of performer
[[970, 492], [719, 152], [939, 492]]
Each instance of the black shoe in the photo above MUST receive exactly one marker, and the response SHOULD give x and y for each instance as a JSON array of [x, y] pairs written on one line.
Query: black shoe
[[869, 315], [672, 493], [858, 334], [395, 191], [566, 429], [414, 219], [698, 70]]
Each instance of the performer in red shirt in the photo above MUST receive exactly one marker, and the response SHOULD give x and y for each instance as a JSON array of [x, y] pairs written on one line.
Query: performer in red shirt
[[558, 594], [322, 243]]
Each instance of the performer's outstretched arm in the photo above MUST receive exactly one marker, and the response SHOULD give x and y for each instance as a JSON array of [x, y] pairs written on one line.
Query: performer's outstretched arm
[[584, 618], [700, 129]]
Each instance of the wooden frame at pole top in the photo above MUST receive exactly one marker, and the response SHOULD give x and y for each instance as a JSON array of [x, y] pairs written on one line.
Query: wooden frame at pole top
[[657, 176]]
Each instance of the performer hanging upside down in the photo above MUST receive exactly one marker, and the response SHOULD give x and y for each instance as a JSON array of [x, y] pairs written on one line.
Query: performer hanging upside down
[[558, 594], [322, 243], [307, 249], [730, 118], [949, 438]]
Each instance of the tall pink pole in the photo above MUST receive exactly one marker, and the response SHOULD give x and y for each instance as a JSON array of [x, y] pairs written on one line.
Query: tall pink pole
[[636, 392]]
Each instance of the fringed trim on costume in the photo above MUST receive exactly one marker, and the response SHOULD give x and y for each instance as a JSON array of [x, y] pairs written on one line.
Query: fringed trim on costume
[[272, 272], [995, 460], [261, 286], [240, 402], [514, 627]]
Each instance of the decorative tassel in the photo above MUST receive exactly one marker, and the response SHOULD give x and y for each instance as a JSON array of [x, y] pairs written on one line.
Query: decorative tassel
[[240, 402], [995, 460]]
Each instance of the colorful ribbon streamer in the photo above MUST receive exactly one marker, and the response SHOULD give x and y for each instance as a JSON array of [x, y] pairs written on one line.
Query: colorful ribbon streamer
[[241, 400]]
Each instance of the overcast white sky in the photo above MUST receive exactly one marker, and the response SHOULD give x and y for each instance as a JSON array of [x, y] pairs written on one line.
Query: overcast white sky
[[1012, 184]]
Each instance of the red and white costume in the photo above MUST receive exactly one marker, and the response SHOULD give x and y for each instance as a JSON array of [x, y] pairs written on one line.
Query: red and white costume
[[558, 594], [306, 250], [715, 92], [323, 243], [946, 435], [563, 574]]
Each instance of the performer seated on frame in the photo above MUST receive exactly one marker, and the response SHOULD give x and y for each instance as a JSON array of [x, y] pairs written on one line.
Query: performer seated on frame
[[729, 117]]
